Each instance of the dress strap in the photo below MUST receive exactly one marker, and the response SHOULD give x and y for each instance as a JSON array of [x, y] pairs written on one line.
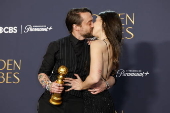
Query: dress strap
[[108, 59]]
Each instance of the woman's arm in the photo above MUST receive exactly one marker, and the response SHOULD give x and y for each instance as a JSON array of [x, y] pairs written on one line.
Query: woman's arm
[[95, 65], [101, 85], [111, 81], [95, 69]]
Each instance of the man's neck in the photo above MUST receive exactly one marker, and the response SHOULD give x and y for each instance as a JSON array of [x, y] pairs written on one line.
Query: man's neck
[[78, 36]]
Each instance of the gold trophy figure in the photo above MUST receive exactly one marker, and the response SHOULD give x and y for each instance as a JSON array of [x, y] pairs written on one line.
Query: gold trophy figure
[[56, 97]]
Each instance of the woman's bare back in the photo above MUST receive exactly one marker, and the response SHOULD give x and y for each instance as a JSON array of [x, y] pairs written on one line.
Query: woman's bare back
[[107, 59], [106, 52]]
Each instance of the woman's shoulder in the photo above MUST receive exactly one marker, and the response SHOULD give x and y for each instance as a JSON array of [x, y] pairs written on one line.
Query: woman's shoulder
[[97, 43]]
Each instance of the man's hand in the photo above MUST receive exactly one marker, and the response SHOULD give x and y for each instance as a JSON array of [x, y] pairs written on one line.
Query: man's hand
[[53, 87], [97, 88], [56, 88]]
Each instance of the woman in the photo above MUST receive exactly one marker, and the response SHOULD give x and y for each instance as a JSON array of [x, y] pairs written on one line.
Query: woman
[[104, 54]]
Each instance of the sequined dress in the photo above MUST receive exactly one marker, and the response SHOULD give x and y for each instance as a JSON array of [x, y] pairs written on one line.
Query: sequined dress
[[98, 103]]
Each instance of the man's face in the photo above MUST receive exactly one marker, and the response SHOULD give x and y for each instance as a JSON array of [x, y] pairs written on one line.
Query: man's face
[[86, 27]]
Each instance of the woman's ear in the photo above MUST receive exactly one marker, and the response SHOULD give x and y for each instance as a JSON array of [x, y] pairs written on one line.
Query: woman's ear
[[104, 24]]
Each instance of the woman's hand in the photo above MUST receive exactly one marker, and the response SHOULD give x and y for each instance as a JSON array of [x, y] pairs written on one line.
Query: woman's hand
[[89, 42], [98, 88], [76, 84]]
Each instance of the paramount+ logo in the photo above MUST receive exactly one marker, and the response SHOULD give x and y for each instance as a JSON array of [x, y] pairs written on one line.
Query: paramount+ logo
[[8, 30]]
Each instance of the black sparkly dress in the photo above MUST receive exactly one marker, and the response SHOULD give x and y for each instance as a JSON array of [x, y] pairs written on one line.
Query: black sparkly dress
[[98, 103]]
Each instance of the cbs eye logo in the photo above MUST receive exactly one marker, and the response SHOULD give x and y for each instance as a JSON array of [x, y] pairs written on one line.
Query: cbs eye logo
[[8, 30]]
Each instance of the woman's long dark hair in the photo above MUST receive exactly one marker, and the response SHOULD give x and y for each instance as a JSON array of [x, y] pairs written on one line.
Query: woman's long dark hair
[[112, 27]]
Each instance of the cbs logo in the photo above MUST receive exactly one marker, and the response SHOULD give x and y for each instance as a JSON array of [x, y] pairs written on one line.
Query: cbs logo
[[8, 30]]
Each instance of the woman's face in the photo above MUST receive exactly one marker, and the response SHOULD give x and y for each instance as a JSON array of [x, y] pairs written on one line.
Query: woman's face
[[97, 26]]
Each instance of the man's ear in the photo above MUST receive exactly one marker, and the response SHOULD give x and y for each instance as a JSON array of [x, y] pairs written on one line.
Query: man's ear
[[76, 27]]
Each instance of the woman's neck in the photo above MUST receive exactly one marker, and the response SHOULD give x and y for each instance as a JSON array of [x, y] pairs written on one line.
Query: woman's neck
[[102, 36]]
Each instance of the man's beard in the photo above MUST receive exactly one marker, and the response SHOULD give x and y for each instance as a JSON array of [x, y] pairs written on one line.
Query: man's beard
[[87, 35]]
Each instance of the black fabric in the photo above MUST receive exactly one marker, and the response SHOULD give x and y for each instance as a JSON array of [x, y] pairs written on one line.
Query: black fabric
[[75, 55], [98, 103], [70, 52], [70, 104]]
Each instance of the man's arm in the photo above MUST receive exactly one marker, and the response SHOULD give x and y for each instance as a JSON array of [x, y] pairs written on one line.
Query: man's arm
[[53, 87], [47, 67]]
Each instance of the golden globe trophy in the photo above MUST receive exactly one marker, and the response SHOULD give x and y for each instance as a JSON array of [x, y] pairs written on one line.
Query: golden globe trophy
[[56, 97]]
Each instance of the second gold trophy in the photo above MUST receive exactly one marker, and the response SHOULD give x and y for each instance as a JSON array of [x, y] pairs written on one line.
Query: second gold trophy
[[56, 97]]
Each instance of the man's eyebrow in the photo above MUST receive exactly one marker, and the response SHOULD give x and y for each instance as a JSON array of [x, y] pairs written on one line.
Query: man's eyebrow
[[90, 20]]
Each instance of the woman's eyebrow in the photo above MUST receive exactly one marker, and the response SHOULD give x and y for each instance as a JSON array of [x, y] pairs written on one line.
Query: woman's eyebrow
[[95, 15]]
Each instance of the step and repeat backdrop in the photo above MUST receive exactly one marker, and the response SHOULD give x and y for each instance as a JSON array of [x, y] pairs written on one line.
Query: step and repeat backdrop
[[28, 26]]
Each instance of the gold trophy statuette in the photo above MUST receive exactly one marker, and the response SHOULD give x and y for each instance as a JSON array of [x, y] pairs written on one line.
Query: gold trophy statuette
[[56, 97]]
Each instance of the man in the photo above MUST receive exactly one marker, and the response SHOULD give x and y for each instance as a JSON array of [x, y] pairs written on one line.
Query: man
[[73, 52]]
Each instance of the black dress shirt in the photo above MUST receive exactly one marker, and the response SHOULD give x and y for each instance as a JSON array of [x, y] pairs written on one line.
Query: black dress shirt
[[68, 51]]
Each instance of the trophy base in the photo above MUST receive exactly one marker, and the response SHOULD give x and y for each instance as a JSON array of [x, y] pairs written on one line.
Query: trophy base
[[55, 102]]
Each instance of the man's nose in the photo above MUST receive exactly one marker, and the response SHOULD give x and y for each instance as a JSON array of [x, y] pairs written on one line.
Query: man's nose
[[92, 24]]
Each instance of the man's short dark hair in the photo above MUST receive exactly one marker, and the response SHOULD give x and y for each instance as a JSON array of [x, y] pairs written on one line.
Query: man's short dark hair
[[73, 17]]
